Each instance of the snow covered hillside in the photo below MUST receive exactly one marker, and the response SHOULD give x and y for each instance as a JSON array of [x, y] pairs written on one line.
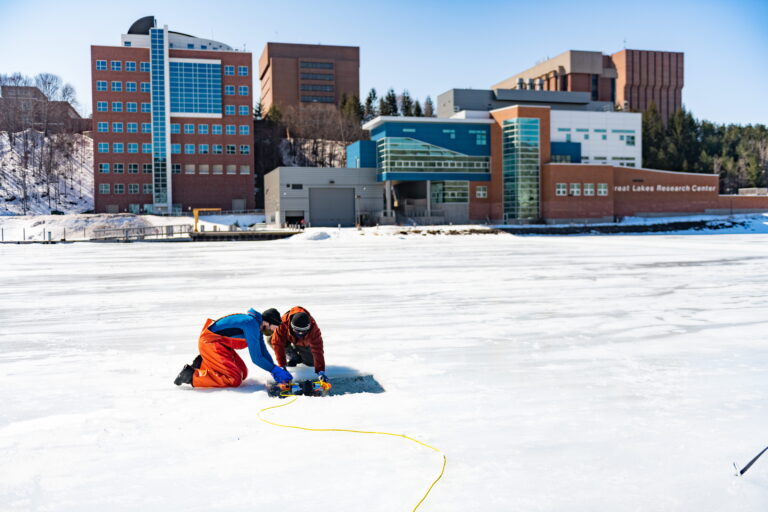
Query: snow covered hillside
[[580, 374], [39, 175]]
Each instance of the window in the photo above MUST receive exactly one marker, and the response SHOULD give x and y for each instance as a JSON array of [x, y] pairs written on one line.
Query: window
[[117, 168], [130, 65], [176, 168], [244, 129], [133, 188], [146, 148], [229, 70], [245, 169], [133, 127], [133, 147], [586, 136], [119, 188], [243, 110], [146, 107], [481, 192], [630, 140], [218, 169], [130, 106], [101, 65], [315, 76], [145, 87], [144, 67], [117, 86], [242, 70], [133, 169], [229, 90], [102, 127], [481, 137], [175, 128], [148, 169], [189, 128], [216, 129], [567, 137], [621, 137], [146, 127], [103, 147], [102, 106], [602, 189], [175, 149], [217, 149], [242, 90], [231, 129], [103, 168], [130, 86], [231, 149], [604, 136], [451, 133], [202, 129], [229, 110], [316, 65], [147, 188], [101, 85], [189, 149], [561, 189], [245, 149], [103, 188], [117, 65], [117, 106], [315, 87], [575, 189], [203, 149], [117, 147], [317, 99], [589, 189], [117, 127], [231, 169], [189, 169], [203, 169]]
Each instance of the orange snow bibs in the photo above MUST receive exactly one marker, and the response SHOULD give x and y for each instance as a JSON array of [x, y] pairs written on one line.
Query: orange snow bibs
[[221, 366]]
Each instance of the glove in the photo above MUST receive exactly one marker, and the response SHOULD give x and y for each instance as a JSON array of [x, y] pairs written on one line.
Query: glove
[[321, 377], [281, 375]]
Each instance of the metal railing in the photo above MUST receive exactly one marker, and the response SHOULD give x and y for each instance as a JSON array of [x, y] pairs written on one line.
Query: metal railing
[[143, 233]]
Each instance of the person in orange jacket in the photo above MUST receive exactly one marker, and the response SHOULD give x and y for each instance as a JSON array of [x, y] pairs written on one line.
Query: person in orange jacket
[[299, 339]]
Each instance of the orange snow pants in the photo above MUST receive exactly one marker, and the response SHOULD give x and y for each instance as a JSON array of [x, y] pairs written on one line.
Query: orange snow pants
[[221, 366]]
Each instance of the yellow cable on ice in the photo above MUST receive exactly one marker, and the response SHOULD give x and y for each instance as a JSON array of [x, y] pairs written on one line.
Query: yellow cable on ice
[[442, 470]]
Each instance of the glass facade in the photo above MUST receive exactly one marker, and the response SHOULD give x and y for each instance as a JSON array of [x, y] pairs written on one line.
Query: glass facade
[[160, 160], [195, 88], [420, 160], [450, 192], [521, 168]]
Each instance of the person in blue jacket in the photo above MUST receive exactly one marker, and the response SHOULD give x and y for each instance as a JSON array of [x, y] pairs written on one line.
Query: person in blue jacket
[[218, 365]]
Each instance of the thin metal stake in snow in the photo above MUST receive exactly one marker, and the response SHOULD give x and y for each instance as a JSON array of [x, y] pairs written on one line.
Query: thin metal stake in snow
[[749, 465]]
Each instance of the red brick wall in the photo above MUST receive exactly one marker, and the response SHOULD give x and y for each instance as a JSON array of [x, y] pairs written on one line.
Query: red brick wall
[[555, 207], [640, 191], [646, 76]]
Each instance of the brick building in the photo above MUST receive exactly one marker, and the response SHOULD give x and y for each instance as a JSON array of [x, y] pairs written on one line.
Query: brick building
[[24, 107], [172, 123], [631, 79], [297, 75]]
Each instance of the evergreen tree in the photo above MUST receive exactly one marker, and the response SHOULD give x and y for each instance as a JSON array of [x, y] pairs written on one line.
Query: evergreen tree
[[417, 112], [653, 138], [682, 146], [257, 111], [406, 104], [351, 108], [370, 111], [274, 113], [429, 108], [388, 104]]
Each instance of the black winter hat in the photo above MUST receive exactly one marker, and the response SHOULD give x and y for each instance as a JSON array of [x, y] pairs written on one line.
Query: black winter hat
[[300, 322], [272, 316]]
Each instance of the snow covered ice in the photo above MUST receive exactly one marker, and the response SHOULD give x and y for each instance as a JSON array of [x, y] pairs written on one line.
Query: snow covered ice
[[621, 373]]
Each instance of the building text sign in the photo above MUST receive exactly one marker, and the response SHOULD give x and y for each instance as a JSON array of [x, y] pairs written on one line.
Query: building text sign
[[665, 188]]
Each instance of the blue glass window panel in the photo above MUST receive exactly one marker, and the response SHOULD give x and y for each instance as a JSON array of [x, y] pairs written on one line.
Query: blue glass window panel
[[117, 65], [189, 149], [130, 106], [133, 127], [117, 147], [242, 70], [146, 147], [103, 147], [101, 65], [229, 110], [130, 65], [117, 106], [203, 148], [175, 149], [104, 168], [245, 149], [202, 129], [117, 86], [189, 128], [195, 88], [243, 110], [130, 86], [216, 129], [101, 85], [102, 127], [218, 149], [229, 70], [146, 127], [102, 106], [146, 107], [244, 129], [242, 90], [145, 87], [175, 128], [133, 147], [231, 129], [144, 67], [117, 127], [229, 90]]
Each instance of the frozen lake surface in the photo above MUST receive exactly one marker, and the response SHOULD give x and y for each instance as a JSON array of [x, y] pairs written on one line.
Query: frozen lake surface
[[621, 373]]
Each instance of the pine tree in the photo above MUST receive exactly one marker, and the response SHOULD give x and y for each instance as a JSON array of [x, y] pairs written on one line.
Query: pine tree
[[653, 138], [370, 111], [417, 112], [406, 104], [388, 104], [274, 113], [429, 108]]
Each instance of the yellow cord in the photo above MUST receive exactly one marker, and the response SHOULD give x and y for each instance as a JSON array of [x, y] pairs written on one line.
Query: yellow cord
[[360, 432]]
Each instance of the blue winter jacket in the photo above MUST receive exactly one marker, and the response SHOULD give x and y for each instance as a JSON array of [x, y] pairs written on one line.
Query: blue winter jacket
[[246, 327]]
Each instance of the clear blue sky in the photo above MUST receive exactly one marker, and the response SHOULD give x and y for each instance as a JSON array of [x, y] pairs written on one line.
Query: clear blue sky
[[425, 46]]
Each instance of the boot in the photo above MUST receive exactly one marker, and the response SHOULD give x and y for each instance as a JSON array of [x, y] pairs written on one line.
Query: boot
[[185, 375], [197, 362]]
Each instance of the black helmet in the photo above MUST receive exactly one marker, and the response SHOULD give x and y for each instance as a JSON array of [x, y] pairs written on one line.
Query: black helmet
[[300, 323]]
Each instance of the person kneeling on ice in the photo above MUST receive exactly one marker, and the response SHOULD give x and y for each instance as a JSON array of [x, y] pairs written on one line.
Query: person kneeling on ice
[[218, 365], [299, 338]]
